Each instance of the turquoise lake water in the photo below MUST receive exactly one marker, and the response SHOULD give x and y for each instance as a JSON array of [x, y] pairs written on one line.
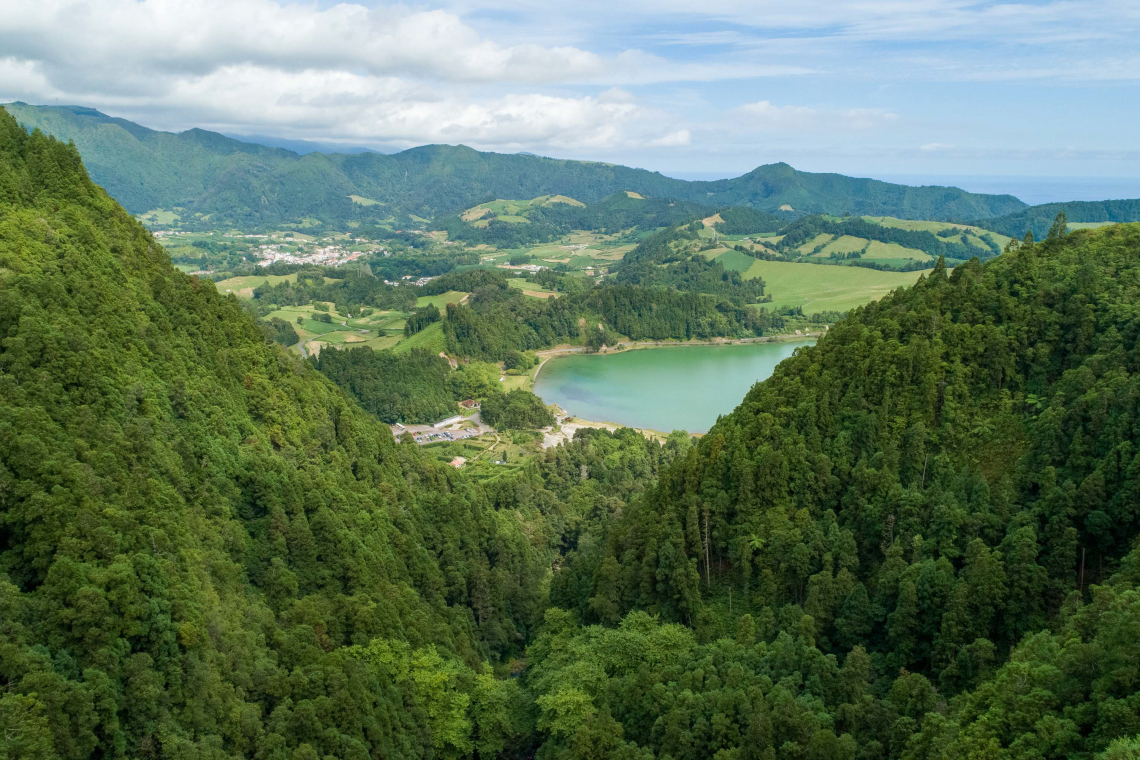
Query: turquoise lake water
[[683, 388]]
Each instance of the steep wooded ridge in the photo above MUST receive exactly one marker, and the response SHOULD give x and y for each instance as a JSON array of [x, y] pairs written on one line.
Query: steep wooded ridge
[[916, 540], [240, 183], [947, 482], [205, 548]]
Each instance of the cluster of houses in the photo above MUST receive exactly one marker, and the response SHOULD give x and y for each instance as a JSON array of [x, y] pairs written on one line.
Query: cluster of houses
[[329, 255], [410, 279]]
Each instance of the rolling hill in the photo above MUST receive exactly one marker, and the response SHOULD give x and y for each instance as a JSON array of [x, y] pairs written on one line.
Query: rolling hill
[[208, 175], [1037, 219]]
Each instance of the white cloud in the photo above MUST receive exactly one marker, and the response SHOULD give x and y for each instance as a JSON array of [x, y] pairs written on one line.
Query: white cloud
[[532, 75], [342, 106], [936, 147], [134, 45], [764, 115], [1012, 22], [177, 36], [672, 140]]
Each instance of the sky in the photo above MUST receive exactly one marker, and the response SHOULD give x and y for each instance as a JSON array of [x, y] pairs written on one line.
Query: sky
[[886, 88]]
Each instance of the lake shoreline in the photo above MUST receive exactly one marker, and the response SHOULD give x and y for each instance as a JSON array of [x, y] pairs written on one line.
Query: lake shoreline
[[598, 421], [638, 345]]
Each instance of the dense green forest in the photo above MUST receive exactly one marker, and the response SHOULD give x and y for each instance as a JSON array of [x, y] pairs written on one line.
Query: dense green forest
[[518, 409], [205, 173], [916, 540], [419, 386], [672, 258], [499, 319], [206, 549], [1038, 219], [409, 387], [421, 318], [740, 220]]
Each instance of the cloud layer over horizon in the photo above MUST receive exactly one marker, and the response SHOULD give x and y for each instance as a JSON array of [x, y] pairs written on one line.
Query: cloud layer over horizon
[[878, 86]]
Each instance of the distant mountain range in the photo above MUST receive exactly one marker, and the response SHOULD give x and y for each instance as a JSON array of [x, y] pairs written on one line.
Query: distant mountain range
[[302, 147], [224, 180]]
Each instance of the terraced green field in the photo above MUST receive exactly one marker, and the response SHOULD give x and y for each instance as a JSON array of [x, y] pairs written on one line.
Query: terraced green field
[[379, 330], [159, 216]]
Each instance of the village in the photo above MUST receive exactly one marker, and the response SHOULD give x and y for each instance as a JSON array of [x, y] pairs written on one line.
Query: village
[[328, 255]]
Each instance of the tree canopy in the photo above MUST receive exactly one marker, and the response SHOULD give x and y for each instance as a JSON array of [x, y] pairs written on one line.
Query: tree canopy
[[916, 540]]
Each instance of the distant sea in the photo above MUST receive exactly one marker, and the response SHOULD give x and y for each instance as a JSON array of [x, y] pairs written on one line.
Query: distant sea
[[1032, 190]]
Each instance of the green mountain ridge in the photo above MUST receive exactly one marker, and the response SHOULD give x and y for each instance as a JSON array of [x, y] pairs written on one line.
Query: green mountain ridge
[[243, 184], [1037, 219]]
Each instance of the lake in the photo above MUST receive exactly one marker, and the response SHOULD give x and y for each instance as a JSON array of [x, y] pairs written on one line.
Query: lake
[[682, 388]]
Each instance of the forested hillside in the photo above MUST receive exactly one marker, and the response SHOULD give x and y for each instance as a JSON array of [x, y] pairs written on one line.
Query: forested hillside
[[205, 548], [1037, 219], [917, 540], [237, 183]]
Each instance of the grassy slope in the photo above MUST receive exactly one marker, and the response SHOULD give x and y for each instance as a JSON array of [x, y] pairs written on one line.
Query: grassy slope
[[822, 287], [431, 338], [734, 260], [243, 286], [442, 300]]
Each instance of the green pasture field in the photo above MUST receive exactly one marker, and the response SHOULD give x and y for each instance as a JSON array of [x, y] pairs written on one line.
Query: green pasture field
[[243, 286], [823, 287], [431, 338], [442, 300], [733, 260]]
